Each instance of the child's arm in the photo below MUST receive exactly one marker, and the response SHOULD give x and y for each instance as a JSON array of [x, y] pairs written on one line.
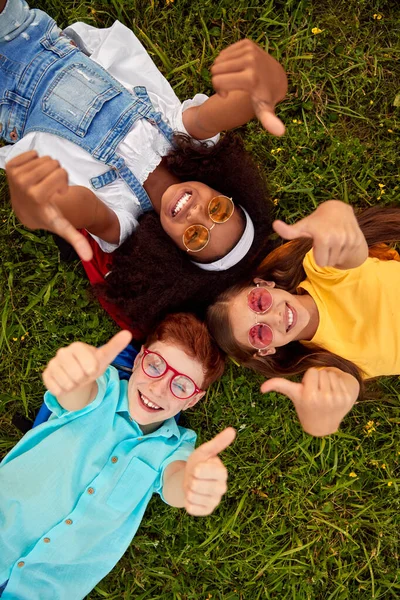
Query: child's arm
[[42, 199], [337, 238], [248, 82], [322, 399], [199, 483], [71, 375]]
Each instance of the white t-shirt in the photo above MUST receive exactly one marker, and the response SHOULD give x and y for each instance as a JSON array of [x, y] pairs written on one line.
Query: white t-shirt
[[119, 51]]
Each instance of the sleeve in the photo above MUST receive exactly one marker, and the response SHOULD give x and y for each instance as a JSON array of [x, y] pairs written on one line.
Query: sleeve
[[106, 385], [176, 118], [314, 271], [182, 453]]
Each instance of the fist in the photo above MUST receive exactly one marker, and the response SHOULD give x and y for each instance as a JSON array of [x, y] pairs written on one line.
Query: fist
[[322, 399], [205, 478]]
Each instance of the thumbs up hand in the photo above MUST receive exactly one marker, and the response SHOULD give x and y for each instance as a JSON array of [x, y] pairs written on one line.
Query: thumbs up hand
[[321, 400], [337, 238], [76, 367], [205, 476]]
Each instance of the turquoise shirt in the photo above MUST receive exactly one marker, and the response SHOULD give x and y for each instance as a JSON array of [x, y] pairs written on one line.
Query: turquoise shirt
[[73, 492]]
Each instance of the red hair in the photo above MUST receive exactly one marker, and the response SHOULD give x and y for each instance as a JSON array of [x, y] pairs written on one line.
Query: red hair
[[192, 336]]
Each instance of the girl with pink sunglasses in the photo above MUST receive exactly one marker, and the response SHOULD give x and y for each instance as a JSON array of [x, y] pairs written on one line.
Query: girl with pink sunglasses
[[324, 305]]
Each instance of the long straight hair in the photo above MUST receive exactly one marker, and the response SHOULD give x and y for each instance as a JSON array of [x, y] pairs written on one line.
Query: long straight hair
[[284, 266]]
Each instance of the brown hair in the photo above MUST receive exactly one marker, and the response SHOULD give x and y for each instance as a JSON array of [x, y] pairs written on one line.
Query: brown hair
[[284, 265], [192, 336]]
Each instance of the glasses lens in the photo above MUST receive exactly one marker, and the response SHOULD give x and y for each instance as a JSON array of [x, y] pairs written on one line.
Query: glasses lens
[[196, 237], [182, 386], [260, 335], [220, 209], [259, 300], [154, 365]]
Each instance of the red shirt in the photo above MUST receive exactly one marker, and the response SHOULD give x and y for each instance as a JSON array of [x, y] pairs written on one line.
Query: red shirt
[[96, 269]]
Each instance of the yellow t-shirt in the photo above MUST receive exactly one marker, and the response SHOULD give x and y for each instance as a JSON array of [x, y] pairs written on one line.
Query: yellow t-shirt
[[359, 312]]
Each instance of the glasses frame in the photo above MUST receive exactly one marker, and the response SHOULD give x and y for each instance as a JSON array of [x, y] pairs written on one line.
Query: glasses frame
[[197, 390], [262, 312], [208, 228]]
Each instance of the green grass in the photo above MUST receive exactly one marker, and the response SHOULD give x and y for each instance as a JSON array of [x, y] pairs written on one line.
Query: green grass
[[295, 524]]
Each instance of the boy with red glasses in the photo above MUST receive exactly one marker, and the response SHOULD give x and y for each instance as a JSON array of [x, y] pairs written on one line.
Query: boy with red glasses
[[74, 489]]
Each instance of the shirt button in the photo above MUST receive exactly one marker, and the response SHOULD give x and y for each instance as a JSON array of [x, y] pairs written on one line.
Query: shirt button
[[46, 540], [68, 521], [90, 490], [114, 459], [20, 564]]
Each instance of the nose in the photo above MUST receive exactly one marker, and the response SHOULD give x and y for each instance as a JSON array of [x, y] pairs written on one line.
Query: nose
[[160, 387], [274, 317], [194, 213]]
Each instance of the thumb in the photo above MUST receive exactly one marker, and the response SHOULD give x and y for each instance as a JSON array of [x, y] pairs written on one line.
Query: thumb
[[106, 354], [57, 223], [291, 232], [282, 386], [271, 122], [219, 443]]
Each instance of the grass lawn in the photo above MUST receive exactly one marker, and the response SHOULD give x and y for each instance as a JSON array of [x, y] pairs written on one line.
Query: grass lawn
[[304, 518]]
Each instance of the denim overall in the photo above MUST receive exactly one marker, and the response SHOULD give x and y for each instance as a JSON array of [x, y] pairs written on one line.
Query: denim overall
[[47, 84]]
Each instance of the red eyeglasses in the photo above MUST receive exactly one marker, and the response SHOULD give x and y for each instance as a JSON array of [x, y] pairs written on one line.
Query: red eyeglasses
[[259, 301], [155, 366]]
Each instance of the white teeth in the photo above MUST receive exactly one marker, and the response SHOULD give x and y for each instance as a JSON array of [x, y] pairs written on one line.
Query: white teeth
[[148, 403], [181, 203], [290, 317]]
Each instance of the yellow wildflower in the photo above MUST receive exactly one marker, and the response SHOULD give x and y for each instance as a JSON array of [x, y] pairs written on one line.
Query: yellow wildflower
[[381, 185], [294, 121], [369, 427], [352, 474], [275, 201], [168, 2], [371, 101], [383, 466], [316, 30], [15, 339], [22, 338], [390, 483], [377, 16], [390, 131]]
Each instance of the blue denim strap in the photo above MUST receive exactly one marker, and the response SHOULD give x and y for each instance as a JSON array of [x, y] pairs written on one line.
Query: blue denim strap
[[15, 18]]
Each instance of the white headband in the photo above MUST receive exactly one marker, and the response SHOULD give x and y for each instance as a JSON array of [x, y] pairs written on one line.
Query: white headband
[[236, 254]]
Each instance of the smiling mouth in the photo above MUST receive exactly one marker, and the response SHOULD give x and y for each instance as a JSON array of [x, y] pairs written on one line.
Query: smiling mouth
[[148, 404], [291, 318], [183, 199]]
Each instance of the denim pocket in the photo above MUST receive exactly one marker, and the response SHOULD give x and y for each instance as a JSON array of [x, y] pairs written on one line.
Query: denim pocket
[[132, 486], [76, 95]]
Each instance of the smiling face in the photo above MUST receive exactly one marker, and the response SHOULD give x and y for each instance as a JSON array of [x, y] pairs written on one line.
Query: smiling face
[[288, 317], [150, 399], [186, 204]]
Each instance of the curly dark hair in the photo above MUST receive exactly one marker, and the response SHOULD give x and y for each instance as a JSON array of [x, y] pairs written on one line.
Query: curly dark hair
[[151, 276]]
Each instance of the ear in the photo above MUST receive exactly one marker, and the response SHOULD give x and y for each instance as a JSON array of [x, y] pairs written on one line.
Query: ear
[[194, 400], [138, 358], [270, 284], [264, 352]]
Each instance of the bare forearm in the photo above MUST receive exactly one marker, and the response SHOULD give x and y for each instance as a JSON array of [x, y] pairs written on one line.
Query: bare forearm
[[78, 399], [173, 484], [218, 114], [85, 210]]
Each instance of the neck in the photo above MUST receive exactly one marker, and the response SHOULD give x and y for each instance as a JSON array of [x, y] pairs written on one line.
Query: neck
[[311, 328], [150, 427], [157, 183]]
